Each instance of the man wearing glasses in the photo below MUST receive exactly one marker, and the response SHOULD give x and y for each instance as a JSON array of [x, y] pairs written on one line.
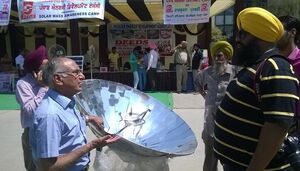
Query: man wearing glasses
[[58, 135], [258, 107]]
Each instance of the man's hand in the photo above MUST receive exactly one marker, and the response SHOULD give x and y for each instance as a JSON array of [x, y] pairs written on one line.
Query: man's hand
[[103, 141], [95, 120], [202, 92], [38, 77]]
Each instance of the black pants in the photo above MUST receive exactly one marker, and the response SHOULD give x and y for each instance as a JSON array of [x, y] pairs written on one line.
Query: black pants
[[152, 78]]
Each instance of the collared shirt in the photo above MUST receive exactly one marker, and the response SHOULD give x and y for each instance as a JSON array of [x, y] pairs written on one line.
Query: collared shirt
[[133, 62], [294, 59], [181, 56], [295, 54], [29, 95], [58, 129], [153, 58], [145, 61], [114, 58], [196, 60], [216, 85], [216, 88], [240, 116]]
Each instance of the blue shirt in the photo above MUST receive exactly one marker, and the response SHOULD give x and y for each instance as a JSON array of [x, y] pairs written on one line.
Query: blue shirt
[[58, 128]]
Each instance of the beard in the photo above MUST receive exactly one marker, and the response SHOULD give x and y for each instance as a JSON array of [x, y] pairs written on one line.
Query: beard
[[283, 43], [248, 54], [219, 68]]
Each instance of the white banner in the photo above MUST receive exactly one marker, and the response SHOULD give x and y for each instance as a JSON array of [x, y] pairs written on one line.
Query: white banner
[[4, 12], [45, 10], [126, 36], [186, 11]]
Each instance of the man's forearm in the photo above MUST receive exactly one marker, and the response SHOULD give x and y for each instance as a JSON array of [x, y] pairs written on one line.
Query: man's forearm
[[270, 140], [63, 162]]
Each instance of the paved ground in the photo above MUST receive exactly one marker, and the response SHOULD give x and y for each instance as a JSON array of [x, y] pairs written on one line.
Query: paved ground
[[188, 106]]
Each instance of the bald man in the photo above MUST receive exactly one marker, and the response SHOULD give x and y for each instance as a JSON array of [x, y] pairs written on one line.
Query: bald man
[[258, 107], [216, 79]]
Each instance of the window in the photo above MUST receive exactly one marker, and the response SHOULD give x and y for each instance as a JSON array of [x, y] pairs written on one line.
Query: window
[[224, 21]]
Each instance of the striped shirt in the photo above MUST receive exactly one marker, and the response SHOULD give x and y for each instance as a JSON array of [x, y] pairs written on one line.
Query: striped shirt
[[240, 116]]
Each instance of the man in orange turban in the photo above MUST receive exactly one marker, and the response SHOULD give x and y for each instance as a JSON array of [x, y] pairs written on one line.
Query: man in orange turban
[[258, 107]]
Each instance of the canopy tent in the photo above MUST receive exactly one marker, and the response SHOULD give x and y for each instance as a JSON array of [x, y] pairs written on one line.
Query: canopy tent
[[220, 6], [133, 11], [117, 11]]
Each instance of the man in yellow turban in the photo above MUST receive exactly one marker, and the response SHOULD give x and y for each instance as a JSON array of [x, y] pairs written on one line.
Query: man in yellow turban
[[224, 47], [216, 79], [258, 107], [258, 31]]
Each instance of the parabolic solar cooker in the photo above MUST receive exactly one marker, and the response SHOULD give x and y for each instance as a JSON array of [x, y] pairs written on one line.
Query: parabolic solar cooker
[[146, 126]]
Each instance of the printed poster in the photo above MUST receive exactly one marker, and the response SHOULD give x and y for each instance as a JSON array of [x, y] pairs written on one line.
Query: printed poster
[[126, 36], [46, 10], [4, 12], [5, 82], [186, 11]]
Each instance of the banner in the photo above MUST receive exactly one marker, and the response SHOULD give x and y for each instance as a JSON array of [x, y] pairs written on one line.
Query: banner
[[45, 10], [126, 36], [186, 11], [4, 12], [6, 82], [79, 61]]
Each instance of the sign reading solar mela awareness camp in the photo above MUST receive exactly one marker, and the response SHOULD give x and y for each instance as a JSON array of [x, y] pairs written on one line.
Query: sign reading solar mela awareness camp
[[4, 12], [45, 10], [186, 11]]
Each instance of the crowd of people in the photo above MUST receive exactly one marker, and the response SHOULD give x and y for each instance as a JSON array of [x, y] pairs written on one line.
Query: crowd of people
[[247, 115], [143, 64]]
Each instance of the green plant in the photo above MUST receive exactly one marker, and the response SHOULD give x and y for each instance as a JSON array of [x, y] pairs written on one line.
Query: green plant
[[217, 35]]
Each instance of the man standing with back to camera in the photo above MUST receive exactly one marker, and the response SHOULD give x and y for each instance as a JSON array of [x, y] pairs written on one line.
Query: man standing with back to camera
[[251, 125]]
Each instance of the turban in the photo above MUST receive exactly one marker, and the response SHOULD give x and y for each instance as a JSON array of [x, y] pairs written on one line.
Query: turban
[[152, 45], [224, 47], [34, 59], [260, 23]]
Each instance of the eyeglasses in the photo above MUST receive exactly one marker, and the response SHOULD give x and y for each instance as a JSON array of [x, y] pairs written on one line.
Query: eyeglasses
[[75, 73]]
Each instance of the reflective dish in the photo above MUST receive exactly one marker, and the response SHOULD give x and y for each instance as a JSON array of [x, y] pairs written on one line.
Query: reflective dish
[[147, 127]]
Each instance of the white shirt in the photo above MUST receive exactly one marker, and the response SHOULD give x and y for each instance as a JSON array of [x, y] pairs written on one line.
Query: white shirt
[[153, 59], [20, 61]]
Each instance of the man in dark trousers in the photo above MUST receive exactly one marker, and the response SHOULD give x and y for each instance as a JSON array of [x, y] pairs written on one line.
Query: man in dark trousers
[[197, 58]]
